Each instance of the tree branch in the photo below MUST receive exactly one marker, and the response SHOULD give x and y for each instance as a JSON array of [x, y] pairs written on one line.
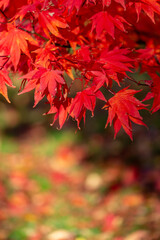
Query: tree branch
[[4, 15], [138, 83]]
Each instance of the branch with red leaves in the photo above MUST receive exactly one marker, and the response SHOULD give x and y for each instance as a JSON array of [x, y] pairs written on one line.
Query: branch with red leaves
[[55, 44]]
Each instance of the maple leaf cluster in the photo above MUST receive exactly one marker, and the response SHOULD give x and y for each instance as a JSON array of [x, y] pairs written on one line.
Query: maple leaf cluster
[[93, 44]]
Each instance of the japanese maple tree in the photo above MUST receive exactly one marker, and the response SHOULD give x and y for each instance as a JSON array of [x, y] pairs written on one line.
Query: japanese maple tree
[[53, 44]]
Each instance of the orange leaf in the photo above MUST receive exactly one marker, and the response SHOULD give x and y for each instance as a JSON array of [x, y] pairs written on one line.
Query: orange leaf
[[5, 80], [15, 41], [51, 24]]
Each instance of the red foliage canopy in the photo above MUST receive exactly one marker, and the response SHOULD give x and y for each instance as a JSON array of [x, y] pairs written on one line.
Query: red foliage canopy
[[53, 44]]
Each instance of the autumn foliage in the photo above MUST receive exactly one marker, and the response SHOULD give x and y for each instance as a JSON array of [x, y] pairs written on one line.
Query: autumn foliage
[[55, 44]]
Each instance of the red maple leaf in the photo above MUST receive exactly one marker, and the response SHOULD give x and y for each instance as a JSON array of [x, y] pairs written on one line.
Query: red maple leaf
[[45, 55], [155, 93], [15, 42], [5, 80], [123, 108], [99, 78], [4, 4], [44, 81], [51, 23], [83, 54], [24, 10], [61, 110], [108, 2], [116, 61], [84, 100], [49, 80], [71, 4], [148, 6], [104, 21]]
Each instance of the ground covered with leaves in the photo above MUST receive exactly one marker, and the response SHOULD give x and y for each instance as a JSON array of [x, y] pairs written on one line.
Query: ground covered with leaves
[[61, 188]]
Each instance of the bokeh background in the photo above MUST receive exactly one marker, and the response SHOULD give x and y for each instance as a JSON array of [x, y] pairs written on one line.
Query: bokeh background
[[69, 184]]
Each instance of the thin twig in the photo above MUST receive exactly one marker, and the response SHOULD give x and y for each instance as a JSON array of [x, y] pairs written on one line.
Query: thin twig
[[138, 83], [44, 38], [30, 32], [83, 3], [32, 21], [4, 64], [110, 90], [4, 15]]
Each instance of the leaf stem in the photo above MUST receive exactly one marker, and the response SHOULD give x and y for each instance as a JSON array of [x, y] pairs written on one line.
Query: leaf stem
[[111, 91], [4, 64], [4, 15], [138, 83]]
